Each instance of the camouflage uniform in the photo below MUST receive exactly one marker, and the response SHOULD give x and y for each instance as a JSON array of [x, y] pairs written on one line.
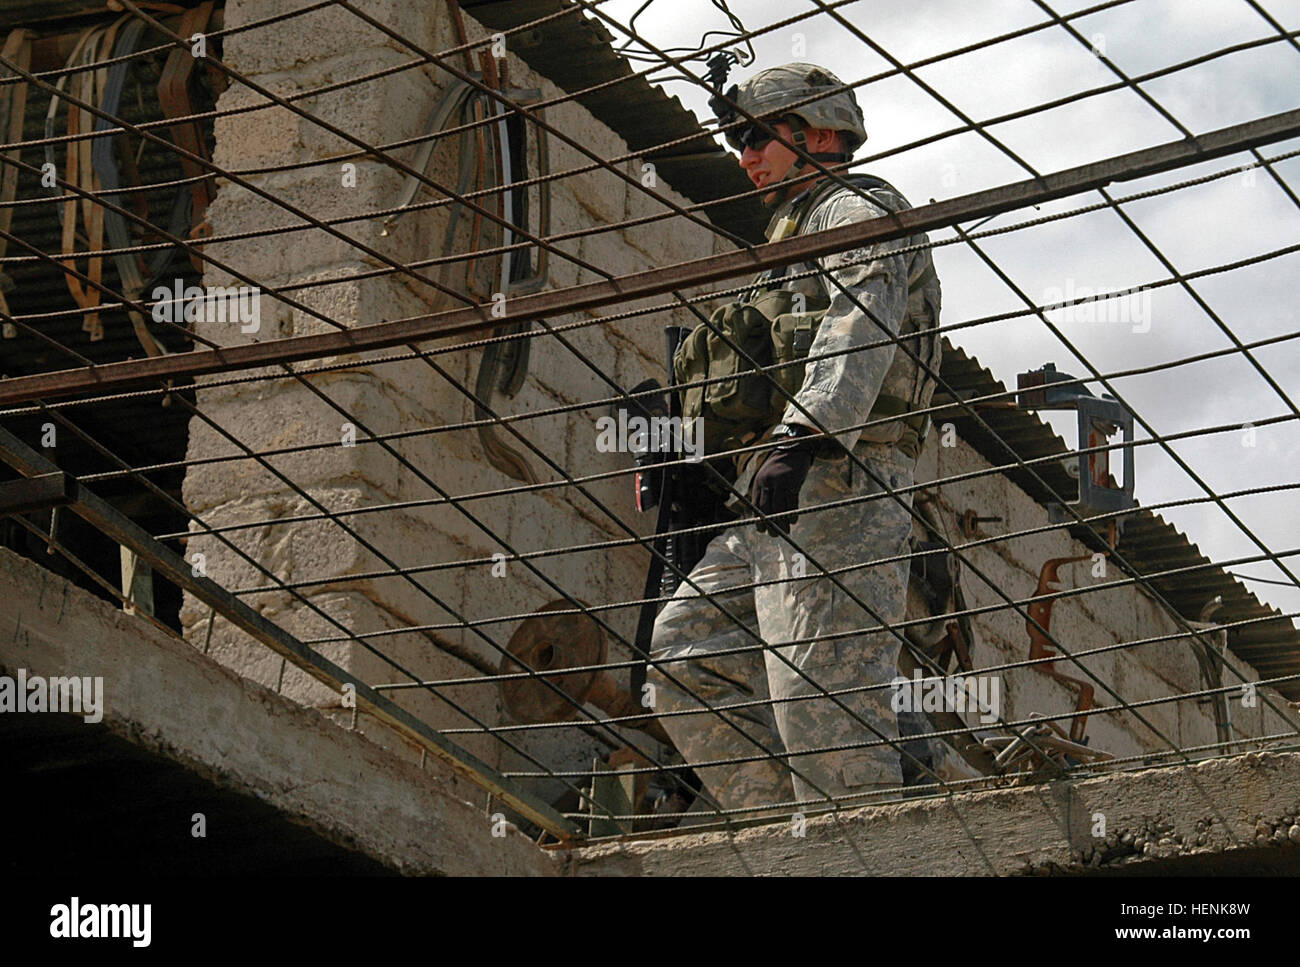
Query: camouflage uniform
[[902, 291]]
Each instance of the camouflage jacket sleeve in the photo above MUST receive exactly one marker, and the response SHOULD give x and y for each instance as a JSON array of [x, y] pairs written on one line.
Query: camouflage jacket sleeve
[[840, 390]]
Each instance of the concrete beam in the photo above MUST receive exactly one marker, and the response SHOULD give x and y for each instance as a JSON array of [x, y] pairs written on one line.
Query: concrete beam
[[1233, 815], [164, 695]]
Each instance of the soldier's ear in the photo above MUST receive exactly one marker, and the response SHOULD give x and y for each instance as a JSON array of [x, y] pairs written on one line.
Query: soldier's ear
[[822, 139]]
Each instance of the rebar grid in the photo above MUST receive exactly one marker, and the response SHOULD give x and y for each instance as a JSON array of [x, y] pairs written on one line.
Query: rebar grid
[[924, 366], [602, 228], [569, 480]]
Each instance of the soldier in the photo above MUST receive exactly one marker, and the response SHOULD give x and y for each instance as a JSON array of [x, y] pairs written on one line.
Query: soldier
[[838, 391]]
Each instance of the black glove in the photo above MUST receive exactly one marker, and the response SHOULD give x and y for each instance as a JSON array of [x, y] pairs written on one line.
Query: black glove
[[777, 482]]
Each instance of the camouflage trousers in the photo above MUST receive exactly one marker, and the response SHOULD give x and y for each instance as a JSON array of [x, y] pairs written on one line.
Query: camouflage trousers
[[695, 640]]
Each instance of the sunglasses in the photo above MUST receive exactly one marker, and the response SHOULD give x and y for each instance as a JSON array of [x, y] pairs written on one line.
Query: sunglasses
[[750, 136]]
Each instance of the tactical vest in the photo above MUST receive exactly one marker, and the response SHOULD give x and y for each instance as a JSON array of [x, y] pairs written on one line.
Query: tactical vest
[[740, 403]]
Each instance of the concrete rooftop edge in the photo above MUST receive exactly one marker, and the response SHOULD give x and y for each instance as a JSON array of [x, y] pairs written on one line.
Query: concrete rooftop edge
[[163, 694]]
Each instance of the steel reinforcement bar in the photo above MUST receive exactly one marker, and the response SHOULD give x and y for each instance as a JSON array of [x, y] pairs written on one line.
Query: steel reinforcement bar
[[639, 285]]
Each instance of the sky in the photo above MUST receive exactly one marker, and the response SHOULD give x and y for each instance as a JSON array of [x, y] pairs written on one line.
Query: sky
[[1239, 217]]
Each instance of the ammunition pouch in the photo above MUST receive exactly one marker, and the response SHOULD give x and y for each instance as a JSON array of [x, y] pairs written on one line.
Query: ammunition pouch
[[738, 400], [741, 397]]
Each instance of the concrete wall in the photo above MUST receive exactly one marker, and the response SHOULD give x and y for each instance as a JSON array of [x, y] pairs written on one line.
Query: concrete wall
[[1224, 816]]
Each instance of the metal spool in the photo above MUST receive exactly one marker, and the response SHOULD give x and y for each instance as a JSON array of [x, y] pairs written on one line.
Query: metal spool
[[551, 642]]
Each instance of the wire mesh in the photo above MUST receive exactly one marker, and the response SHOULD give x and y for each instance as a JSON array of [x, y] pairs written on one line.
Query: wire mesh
[[355, 494]]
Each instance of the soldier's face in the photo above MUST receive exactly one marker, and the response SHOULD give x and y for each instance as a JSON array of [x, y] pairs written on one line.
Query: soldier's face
[[770, 163]]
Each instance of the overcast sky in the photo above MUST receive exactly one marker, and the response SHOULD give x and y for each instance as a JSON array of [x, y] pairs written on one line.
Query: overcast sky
[[1235, 218]]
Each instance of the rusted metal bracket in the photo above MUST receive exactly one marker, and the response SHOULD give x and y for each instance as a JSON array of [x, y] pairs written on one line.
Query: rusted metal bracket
[[1041, 611], [1099, 418]]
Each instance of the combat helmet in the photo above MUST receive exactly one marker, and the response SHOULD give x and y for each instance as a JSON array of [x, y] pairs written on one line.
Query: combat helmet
[[805, 95]]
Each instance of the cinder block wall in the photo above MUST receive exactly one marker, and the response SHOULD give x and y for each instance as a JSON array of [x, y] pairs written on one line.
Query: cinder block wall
[[1079, 623], [309, 51], [321, 48]]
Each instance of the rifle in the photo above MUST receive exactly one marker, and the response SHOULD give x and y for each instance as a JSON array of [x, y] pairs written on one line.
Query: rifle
[[681, 499]]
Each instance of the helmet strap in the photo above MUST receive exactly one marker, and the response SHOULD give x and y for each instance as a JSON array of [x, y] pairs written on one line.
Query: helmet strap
[[799, 139]]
